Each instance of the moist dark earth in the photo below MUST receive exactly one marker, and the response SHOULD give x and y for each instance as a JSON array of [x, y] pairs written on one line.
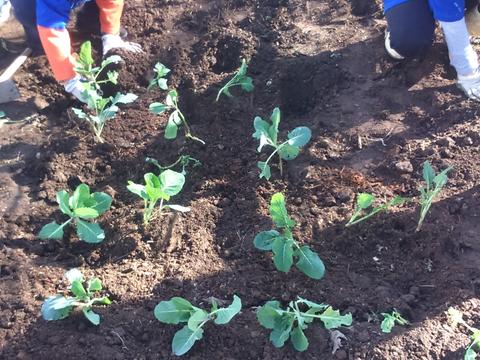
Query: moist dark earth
[[374, 123]]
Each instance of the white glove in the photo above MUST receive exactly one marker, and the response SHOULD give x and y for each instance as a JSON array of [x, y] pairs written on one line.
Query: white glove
[[110, 42], [76, 88], [5, 7], [470, 84]]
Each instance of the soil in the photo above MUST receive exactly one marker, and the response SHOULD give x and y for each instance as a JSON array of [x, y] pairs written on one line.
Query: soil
[[374, 123]]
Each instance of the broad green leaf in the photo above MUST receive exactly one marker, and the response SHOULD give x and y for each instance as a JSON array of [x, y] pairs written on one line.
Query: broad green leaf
[[94, 285], [113, 59], [288, 152], [299, 340], [310, 263], [162, 84], [174, 311], [184, 340], [103, 202], [224, 315], [261, 132], [179, 208], [397, 200], [172, 97], [332, 319], [63, 200], [52, 231], [470, 354], [79, 113], [388, 323], [86, 213], [265, 170], [196, 319], [172, 125], [300, 136], [77, 289], [365, 200], [57, 307], [264, 240], [281, 330], [85, 57], [476, 338], [283, 254], [81, 193], [137, 189], [247, 84], [124, 98], [74, 275], [153, 187], [158, 108], [428, 173], [278, 212], [93, 317], [90, 232], [113, 77], [273, 129], [441, 179], [161, 70], [267, 314], [171, 182], [312, 304], [101, 301]]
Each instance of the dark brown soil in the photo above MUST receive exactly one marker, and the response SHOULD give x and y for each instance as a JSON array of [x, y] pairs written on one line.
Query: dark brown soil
[[323, 63]]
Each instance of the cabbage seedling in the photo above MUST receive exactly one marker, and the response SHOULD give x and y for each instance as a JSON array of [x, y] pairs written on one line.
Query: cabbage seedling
[[240, 79], [79, 207], [159, 80], [456, 317], [59, 307], [176, 117], [434, 184], [284, 247], [267, 133], [100, 109], [162, 187], [364, 209], [291, 322], [389, 321], [183, 161], [178, 310]]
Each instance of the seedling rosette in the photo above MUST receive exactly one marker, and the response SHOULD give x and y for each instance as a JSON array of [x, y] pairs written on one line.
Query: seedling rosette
[[58, 307], [284, 247], [291, 322], [240, 79], [178, 310], [389, 321], [158, 188], [81, 207], [159, 80], [364, 208], [267, 133]]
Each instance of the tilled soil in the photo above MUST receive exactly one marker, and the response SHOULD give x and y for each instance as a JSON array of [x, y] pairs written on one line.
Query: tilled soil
[[374, 123]]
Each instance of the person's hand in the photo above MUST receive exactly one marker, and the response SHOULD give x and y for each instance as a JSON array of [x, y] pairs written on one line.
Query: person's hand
[[470, 84], [76, 87], [110, 42]]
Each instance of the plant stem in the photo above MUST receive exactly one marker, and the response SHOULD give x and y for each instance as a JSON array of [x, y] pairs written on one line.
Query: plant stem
[[280, 164], [188, 133]]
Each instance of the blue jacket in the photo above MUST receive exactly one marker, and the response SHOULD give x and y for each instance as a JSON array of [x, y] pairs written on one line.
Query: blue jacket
[[54, 14], [443, 10]]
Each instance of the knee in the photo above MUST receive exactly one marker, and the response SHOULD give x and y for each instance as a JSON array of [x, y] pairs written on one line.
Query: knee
[[409, 43], [25, 12]]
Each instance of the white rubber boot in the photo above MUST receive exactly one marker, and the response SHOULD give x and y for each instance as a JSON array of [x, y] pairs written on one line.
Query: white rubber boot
[[392, 52]]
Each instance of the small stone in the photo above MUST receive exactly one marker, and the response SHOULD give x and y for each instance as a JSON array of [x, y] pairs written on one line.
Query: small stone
[[404, 166], [220, 146], [297, 201], [341, 354], [344, 195], [467, 141], [447, 141]]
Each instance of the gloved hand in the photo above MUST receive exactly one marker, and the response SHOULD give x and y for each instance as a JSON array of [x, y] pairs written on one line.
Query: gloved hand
[[76, 88], [110, 42], [470, 84], [5, 7]]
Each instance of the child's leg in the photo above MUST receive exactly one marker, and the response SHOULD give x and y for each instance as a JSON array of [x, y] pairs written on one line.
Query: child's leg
[[25, 12], [410, 29]]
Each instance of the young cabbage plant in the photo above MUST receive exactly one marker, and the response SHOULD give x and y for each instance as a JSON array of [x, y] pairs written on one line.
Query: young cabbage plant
[[267, 134], [100, 109], [183, 161], [389, 321], [176, 117], [240, 79], [285, 248], [456, 317], [59, 307], [364, 208], [178, 310], [291, 322], [162, 187], [79, 207], [159, 80], [434, 184]]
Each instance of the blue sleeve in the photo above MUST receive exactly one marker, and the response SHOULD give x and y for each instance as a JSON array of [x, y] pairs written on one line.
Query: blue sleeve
[[53, 14], [449, 11]]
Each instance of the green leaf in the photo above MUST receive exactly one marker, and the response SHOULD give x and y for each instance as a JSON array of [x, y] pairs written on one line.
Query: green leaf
[[184, 340], [63, 200], [113, 59], [74, 275], [103, 202], [288, 152], [332, 319], [113, 77], [470, 354], [81, 194], [264, 240], [77, 289], [91, 233], [158, 108], [102, 301], [265, 170], [124, 98], [428, 173], [312, 304], [85, 57], [172, 125], [52, 231], [365, 200], [300, 136], [174, 311], [388, 323], [172, 97], [57, 307], [197, 318], [273, 130], [268, 314], [283, 254], [153, 187], [224, 315], [299, 340], [278, 212], [310, 263], [281, 330], [86, 213], [247, 84], [261, 132], [137, 189], [94, 285], [93, 317], [171, 182]]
